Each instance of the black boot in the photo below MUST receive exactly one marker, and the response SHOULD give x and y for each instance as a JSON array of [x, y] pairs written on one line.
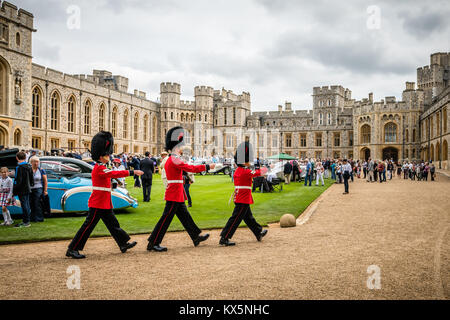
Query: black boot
[[201, 238], [127, 246], [261, 235], [226, 242], [156, 248], [74, 254]]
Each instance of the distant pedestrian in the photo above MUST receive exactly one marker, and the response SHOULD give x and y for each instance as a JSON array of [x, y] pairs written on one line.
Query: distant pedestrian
[[6, 196], [346, 169]]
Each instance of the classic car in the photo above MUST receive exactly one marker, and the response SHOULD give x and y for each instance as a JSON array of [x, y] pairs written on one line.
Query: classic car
[[70, 185]]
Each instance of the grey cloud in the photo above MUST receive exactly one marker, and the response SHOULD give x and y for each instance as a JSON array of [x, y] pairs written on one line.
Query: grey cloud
[[425, 23], [47, 52]]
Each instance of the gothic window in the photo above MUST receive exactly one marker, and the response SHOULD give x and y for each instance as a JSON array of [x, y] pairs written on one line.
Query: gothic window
[[414, 135], [365, 134], [36, 142], [87, 117], [125, 124], [114, 122], [135, 126], [54, 111], [329, 118], [406, 135], [350, 138], [36, 107], [154, 126], [171, 116], [390, 132], [288, 140], [71, 114], [318, 139], [4, 33], [337, 139], [145, 127], [303, 140], [320, 119], [101, 117], [444, 119]]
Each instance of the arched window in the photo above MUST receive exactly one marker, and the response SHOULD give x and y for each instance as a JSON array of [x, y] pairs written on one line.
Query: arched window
[[101, 117], [414, 135], [135, 126], [71, 114], [365, 134], [390, 132], [36, 107], [87, 117], [444, 119], [406, 135], [154, 129], [3, 87], [54, 111], [114, 122], [125, 124], [146, 127], [17, 137]]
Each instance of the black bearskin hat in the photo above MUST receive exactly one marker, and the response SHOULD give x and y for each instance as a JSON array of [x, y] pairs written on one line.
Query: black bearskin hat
[[244, 153], [101, 145], [174, 137]]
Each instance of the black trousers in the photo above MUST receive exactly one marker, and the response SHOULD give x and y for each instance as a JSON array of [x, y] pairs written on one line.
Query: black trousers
[[173, 208], [109, 219], [137, 181], [346, 176], [241, 212], [146, 188]]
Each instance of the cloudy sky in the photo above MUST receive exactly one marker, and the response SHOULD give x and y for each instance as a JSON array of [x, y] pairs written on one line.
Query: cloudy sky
[[275, 49]]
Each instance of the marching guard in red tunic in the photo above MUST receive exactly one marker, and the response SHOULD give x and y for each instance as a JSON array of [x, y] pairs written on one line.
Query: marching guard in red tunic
[[243, 179], [175, 195], [100, 204]]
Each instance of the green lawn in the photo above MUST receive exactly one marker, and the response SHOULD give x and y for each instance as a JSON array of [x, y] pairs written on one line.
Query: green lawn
[[210, 195]]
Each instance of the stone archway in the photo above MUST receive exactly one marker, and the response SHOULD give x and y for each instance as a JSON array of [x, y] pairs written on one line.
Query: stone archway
[[365, 154], [4, 137], [390, 153]]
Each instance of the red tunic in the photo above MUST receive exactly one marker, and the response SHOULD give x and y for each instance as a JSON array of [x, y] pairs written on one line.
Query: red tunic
[[101, 178], [243, 177], [174, 168]]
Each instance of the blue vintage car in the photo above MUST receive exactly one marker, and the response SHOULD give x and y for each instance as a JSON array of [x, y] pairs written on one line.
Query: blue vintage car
[[70, 186]]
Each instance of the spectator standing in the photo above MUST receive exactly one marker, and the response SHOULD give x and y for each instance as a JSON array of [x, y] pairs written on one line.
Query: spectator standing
[[118, 166], [346, 169], [135, 163], [6, 196], [287, 172], [164, 157], [320, 172], [308, 174], [188, 179], [23, 181], [38, 190], [148, 167], [432, 171]]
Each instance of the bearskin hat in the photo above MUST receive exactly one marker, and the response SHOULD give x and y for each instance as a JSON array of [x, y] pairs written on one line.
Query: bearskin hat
[[101, 145], [244, 153], [174, 137]]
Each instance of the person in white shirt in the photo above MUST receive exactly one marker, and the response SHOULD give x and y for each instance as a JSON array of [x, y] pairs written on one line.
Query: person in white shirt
[[6, 196], [164, 157], [346, 171], [319, 173]]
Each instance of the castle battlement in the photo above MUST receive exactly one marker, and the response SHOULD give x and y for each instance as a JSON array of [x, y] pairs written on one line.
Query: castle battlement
[[204, 91], [187, 104], [334, 89], [169, 87], [17, 15]]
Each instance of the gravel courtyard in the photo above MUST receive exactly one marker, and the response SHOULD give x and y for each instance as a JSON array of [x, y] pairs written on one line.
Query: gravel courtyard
[[401, 226]]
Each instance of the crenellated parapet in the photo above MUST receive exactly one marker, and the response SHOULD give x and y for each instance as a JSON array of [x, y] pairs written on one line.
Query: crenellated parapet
[[331, 90], [204, 91], [16, 15], [169, 87]]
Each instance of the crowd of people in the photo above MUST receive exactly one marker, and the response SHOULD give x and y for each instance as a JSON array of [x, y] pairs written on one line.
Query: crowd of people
[[30, 181]]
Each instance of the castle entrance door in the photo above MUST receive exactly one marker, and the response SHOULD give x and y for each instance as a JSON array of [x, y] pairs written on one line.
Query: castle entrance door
[[390, 153]]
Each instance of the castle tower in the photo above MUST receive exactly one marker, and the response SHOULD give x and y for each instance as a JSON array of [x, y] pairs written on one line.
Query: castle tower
[[170, 103], [434, 78], [16, 28], [204, 104], [327, 103]]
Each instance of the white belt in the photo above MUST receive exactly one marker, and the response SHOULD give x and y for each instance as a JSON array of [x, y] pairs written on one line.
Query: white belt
[[243, 187], [101, 189], [175, 181]]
